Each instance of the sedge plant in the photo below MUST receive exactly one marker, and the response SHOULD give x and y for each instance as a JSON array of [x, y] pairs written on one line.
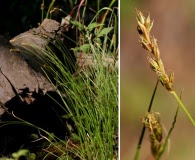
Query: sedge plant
[[152, 122], [90, 95], [149, 43], [92, 92], [152, 119]]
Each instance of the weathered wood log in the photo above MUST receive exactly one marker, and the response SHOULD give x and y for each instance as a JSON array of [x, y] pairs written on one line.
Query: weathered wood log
[[16, 74], [34, 44], [21, 60], [23, 88]]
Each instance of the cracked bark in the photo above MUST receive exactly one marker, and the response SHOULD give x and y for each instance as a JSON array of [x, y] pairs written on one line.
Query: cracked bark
[[16, 74], [20, 68]]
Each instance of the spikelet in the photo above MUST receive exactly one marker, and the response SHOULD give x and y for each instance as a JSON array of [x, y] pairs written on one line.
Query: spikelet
[[150, 44], [152, 122]]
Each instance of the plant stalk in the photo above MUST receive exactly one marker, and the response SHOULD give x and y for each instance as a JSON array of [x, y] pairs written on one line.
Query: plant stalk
[[144, 128], [183, 106]]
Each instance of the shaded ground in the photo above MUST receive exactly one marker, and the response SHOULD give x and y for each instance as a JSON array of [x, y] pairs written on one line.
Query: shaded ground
[[44, 113]]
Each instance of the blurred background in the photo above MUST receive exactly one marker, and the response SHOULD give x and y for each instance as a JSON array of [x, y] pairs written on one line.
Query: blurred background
[[174, 28]]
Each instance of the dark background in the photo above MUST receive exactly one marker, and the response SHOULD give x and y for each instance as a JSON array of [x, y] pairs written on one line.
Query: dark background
[[17, 16]]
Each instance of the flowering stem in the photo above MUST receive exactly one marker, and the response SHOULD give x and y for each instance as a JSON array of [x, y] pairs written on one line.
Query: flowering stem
[[183, 106], [144, 128]]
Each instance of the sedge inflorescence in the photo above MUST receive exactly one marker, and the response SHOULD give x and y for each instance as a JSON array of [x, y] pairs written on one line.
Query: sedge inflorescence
[[149, 43]]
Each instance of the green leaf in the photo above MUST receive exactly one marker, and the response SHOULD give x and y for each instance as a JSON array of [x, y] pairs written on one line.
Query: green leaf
[[105, 31], [85, 48], [76, 49], [32, 156], [22, 152], [75, 137], [77, 24], [34, 136], [91, 26], [66, 116], [98, 40]]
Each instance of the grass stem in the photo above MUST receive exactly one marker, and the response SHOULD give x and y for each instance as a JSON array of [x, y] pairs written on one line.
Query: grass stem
[[183, 106], [144, 128]]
